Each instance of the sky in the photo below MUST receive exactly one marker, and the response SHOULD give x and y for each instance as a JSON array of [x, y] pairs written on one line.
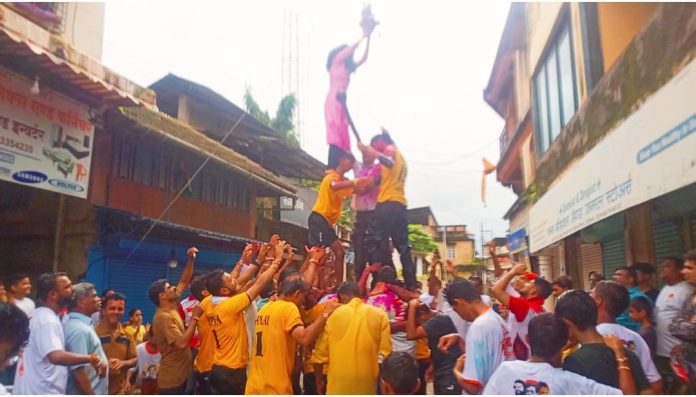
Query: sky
[[428, 64]]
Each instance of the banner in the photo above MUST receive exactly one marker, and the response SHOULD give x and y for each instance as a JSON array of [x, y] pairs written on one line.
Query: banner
[[45, 140], [297, 211], [650, 154]]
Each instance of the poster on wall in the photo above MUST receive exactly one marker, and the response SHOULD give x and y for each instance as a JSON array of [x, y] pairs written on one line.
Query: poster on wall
[[46, 139], [650, 154]]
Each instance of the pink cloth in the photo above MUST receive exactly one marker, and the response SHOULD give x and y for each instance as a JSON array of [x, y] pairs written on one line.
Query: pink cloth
[[389, 302], [335, 116]]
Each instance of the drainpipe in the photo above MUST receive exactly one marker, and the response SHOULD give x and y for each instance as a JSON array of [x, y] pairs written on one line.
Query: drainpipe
[[57, 254]]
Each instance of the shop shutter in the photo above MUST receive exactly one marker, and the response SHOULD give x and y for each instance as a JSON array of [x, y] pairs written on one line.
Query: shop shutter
[[613, 254], [132, 279], [147, 264], [591, 261], [668, 241], [555, 265]]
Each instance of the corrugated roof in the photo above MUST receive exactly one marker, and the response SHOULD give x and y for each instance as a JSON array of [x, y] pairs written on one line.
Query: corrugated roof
[[29, 47], [253, 138], [165, 125]]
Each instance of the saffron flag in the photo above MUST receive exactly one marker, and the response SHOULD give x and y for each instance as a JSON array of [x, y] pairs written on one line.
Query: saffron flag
[[488, 168]]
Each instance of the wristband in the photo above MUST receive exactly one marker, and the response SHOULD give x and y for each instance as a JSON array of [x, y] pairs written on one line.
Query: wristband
[[195, 318], [622, 359], [325, 316], [620, 367]]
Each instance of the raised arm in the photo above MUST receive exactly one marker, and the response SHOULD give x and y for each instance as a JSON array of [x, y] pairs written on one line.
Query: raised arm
[[245, 259], [266, 277], [314, 255], [307, 336], [367, 50], [499, 289], [383, 159], [362, 283], [496, 263], [414, 331], [188, 270]]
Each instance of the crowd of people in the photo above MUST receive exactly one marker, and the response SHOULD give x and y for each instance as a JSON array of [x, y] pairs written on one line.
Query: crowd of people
[[271, 325]]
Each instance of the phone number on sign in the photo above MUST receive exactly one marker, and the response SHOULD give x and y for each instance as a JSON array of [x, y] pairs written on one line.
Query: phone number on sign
[[11, 143]]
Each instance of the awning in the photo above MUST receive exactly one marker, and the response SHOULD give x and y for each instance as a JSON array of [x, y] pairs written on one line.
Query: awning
[[27, 47], [185, 135], [173, 226]]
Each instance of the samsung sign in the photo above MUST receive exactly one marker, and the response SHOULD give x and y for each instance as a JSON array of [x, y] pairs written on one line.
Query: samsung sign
[[648, 155]]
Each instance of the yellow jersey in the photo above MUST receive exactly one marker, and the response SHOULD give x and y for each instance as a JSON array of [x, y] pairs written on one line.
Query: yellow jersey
[[329, 201], [354, 337], [229, 332], [309, 316], [273, 355], [422, 349], [206, 350], [393, 183]]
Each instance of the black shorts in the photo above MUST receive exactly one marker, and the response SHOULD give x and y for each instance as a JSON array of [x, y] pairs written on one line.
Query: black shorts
[[225, 380], [320, 232]]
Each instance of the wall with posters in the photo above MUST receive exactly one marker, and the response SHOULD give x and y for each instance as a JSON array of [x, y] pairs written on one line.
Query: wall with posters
[[648, 155], [46, 140]]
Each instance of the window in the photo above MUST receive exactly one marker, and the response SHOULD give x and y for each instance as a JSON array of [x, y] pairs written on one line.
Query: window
[[221, 192], [451, 253], [125, 158], [144, 166], [163, 173], [555, 90]]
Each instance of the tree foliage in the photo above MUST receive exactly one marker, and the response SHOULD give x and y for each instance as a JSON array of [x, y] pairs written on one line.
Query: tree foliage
[[420, 240], [283, 120]]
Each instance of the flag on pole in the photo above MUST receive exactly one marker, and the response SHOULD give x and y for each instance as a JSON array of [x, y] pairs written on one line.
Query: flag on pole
[[488, 168]]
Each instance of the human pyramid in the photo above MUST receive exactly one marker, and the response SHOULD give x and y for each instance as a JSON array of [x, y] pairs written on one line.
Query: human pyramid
[[270, 325]]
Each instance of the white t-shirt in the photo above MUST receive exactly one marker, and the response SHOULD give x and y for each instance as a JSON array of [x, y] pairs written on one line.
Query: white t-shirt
[[635, 342], [27, 305], [148, 363], [487, 346], [35, 374], [250, 320], [669, 303], [525, 378]]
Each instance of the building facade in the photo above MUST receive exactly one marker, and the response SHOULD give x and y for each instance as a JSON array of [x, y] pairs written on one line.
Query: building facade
[[597, 132], [97, 180]]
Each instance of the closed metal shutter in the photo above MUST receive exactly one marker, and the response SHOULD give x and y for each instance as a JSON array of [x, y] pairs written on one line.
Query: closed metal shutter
[[613, 254], [556, 264], [591, 261], [668, 241], [148, 264]]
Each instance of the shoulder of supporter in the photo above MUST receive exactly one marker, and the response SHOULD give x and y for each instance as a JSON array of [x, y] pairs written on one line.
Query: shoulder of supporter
[[519, 307]]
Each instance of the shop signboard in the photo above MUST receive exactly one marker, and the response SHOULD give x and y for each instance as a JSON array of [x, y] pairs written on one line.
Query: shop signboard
[[648, 155], [46, 139]]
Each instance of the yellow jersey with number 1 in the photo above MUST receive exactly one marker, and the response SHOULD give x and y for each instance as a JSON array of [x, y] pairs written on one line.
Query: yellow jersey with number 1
[[229, 330], [273, 354]]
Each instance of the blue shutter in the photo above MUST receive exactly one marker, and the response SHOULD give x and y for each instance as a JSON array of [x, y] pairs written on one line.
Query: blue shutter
[[147, 264]]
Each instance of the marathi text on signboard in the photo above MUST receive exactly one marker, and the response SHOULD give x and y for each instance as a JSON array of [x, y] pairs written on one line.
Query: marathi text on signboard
[[648, 155], [45, 140]]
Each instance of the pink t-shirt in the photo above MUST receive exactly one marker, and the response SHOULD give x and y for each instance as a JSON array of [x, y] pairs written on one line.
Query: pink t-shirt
[[368, 200], [336, 119]]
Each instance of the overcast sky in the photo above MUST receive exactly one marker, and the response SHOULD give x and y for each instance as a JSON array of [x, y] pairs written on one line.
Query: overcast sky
[[428, 65]]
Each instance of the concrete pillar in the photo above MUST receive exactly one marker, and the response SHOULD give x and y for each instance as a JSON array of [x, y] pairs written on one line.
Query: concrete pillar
[[546, 271], [640, 245]]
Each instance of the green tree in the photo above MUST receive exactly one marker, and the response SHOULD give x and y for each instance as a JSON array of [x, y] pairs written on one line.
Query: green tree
[[420, 240], [283, 120]]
